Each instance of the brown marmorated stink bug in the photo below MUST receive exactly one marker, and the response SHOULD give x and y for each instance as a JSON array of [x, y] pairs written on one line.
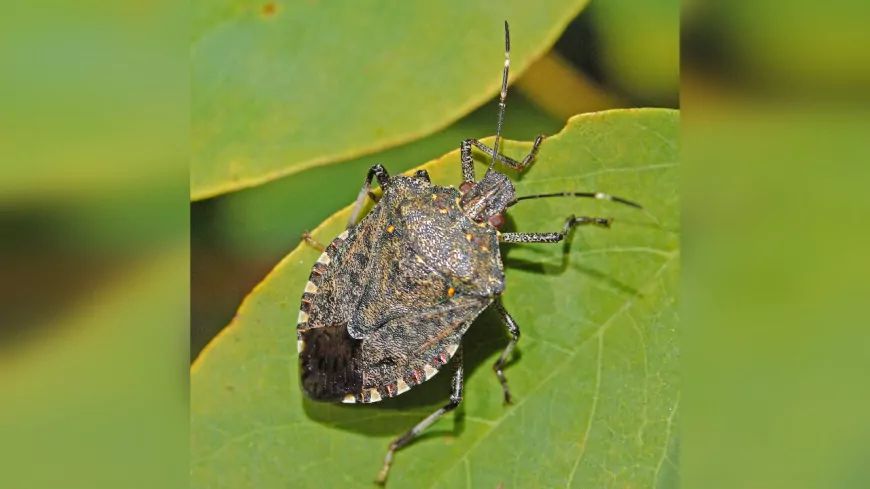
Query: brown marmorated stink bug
[[388, 301]]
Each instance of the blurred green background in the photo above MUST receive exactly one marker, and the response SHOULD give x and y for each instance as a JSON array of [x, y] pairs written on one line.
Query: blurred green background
[[94, 256]]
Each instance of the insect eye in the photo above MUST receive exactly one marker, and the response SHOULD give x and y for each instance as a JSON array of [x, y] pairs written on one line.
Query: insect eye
[[465, 187], [496, 220]]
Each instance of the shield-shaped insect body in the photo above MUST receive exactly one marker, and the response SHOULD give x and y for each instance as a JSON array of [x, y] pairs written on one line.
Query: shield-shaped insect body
[[389, 300]]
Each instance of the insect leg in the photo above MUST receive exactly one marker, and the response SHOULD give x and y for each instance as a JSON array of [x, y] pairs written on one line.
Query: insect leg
[[383, 180], [408, 437], [554, 237], [515, 334], [512, 163], [467, 161], [422, 175], [313, 242]]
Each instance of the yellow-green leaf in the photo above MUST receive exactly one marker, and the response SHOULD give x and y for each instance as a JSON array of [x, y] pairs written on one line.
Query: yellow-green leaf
[[278, 87], [595, 377]]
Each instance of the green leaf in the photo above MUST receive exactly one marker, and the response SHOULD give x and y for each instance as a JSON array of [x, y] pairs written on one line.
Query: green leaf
[[278, 87], [594, 378]]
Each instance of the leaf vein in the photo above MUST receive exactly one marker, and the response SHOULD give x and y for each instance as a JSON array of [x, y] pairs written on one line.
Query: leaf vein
[[595, 396], [668, 428]]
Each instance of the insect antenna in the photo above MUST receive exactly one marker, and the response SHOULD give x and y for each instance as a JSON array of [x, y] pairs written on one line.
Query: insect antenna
[[589, 195], [503, 96]]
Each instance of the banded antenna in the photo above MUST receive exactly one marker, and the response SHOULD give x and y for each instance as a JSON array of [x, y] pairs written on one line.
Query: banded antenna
[[503, 96]]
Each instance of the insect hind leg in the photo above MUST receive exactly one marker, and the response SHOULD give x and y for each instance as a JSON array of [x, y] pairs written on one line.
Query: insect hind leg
[[455, 398], [498, 366]]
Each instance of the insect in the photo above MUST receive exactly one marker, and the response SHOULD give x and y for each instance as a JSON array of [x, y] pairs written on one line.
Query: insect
[[389, 300]]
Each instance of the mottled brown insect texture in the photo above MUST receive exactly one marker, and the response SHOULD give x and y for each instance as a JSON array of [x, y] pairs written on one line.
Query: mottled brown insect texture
[[389, 300]]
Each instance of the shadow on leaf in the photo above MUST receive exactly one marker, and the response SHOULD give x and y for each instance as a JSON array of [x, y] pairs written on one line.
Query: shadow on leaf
[[549, 268]]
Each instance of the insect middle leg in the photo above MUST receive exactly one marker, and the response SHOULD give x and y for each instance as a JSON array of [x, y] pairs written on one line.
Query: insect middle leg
[[468, 161], [377, 171], [514, 330], [410, 435], [554, 237]]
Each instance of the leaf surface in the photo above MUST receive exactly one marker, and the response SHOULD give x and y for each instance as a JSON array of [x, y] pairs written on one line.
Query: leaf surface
[[278, 87], [595, 375]]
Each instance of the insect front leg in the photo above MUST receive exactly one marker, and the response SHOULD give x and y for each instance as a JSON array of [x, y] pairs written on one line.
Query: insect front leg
[[468, 161], [377, 171], [514, 330], [465, 155], [408, 437], [554, 237]]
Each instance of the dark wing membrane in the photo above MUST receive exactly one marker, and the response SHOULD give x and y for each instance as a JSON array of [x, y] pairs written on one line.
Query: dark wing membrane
[[330, 363]]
